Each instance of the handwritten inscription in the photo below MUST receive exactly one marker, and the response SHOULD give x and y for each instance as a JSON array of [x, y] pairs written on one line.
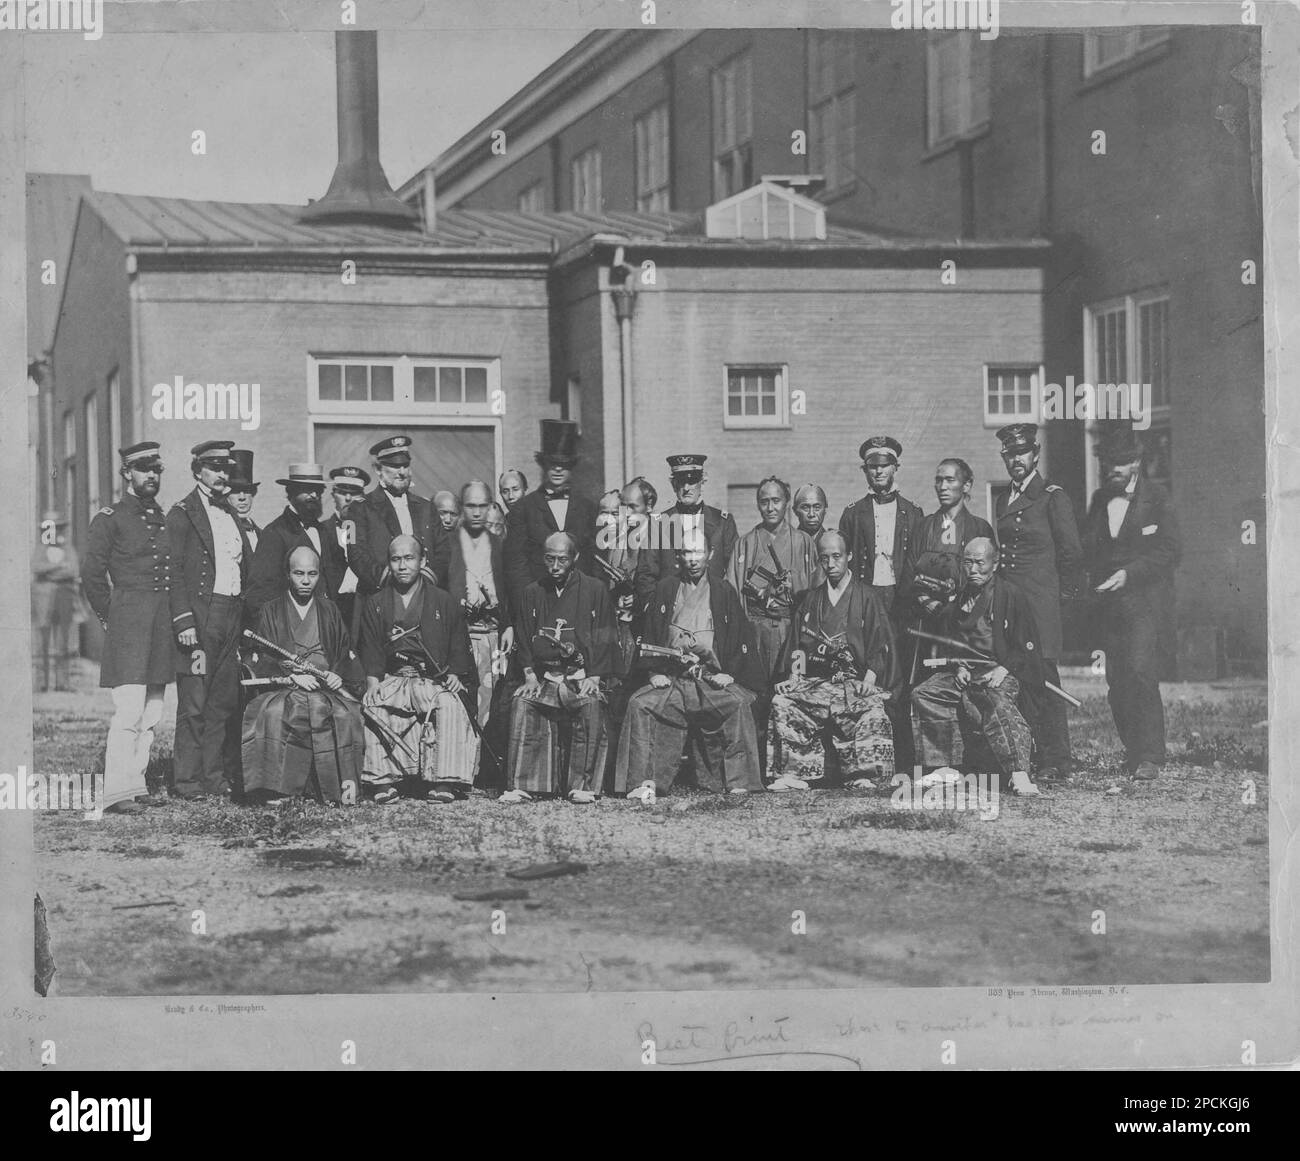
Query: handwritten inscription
[[735, 1037]]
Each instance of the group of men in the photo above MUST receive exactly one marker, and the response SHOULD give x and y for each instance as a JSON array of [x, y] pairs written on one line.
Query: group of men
[[405, 647]]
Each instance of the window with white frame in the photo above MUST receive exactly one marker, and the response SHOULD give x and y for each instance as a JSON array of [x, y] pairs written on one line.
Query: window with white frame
[[832, 107], [585, 171], [1102, 49], [114, 404], [957, 85], [733, 161], [532, 199], [650, 132], [403, 384], [756, 396], [69, 463], [90, 411], [1011, 394], [1126, 340]]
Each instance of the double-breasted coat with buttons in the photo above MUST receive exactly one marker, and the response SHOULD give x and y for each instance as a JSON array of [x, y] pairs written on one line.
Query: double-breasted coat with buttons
[[126, 577], [1041, 555], [194, 569], [858, 527]]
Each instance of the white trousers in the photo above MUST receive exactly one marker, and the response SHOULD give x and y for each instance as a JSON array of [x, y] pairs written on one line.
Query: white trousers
[[136, 711]]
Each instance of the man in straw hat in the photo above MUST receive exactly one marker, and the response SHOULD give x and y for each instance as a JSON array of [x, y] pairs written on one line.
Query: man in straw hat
[[297, 526]]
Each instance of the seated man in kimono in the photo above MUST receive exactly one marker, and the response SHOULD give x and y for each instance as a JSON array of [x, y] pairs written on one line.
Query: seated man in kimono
[[305, 736], [840, 660], [697, 650], [564, 630], [421, 683]]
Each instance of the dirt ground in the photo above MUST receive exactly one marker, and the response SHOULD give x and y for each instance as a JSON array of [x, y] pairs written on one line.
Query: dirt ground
[[694, 892]]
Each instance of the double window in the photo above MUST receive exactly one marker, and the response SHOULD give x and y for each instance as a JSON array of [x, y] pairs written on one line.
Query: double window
[[1102, 50], [652, 160], [957, 86], [832, 107], [402, 383], [1011, 394], [585, 173], [733, 127], [756, 396]]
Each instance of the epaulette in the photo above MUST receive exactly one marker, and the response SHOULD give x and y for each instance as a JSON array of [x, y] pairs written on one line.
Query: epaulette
[[725, 514], [1055, 488], [104, 512]]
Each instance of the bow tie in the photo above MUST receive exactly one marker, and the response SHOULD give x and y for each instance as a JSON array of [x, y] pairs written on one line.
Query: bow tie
[[556, 493], [887, 498]]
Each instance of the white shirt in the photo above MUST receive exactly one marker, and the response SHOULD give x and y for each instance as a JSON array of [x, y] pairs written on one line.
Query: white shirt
[[1117, 507], [477, 551], [313, 534], [227, 547], [886, 516], [560, 510], [402, 506], [834, 592], [349, 582]]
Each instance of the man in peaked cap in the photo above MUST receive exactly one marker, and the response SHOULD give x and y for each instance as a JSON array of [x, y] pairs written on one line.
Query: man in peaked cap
[[347, 485], [1133, 547], [878, 531], [127, 578], [678, 524], [550, 508], [242, 492], [211, 557], [389, 510], [297, 526], [1040, 554]]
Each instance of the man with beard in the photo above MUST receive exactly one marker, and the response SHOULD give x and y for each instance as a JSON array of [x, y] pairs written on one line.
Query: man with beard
[[839, 658], [703, 675], [551, 508], [299, 525], [565, 629], [419, 672], [477, 581], [347, 488], [994, 621], [513, 487], [389, 510], [1041, 556], [1133, 548], [447, 509], [242, 493], [306, 738], [127, 579], [679, 524], [879, 531], [210, 557], [810, 509]]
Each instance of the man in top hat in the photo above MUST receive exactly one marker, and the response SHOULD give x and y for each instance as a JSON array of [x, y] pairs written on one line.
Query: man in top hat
[[678, 525], [389, 510], [878, 531], [1041, 556], [211, 558], [297, 526], [57, 608], [242, 492], [347, 486], [550, 508], [1133, 547], [127, 580], [810, 509]]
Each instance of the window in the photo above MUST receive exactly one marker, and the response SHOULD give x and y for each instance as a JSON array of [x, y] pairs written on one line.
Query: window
[[957, 85], [532, 199], [832, 116], [1126, 341], [586, 182], [69, 463], [115, 431], [402, 383], [90, 410], [733, 163], [756, 397], [1101, 50], [1011, 394], [651, 134]]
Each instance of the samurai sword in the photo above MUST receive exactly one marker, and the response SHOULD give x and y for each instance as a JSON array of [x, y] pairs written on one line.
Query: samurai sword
[[980, 655], [443, 670], [294, 660]]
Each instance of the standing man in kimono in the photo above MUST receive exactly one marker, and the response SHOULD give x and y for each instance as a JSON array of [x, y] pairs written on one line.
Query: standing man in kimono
[[477, 582], [1041, 555], [307, 737], [810, 509], [210, 557], [420, 680], [839, 662], [565, 630], [127, 580], [703, 675]]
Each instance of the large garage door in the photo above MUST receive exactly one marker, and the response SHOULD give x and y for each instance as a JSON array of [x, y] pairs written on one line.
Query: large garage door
[[441, 457]]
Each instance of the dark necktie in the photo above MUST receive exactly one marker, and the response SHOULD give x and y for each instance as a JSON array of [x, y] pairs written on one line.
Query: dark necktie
[[887, 498]]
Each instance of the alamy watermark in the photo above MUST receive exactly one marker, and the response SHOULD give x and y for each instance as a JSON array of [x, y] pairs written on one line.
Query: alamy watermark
[[84, 16], [82, 790]]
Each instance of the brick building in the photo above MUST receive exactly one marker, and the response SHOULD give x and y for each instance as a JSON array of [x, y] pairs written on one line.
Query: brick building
[[944, 135]]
